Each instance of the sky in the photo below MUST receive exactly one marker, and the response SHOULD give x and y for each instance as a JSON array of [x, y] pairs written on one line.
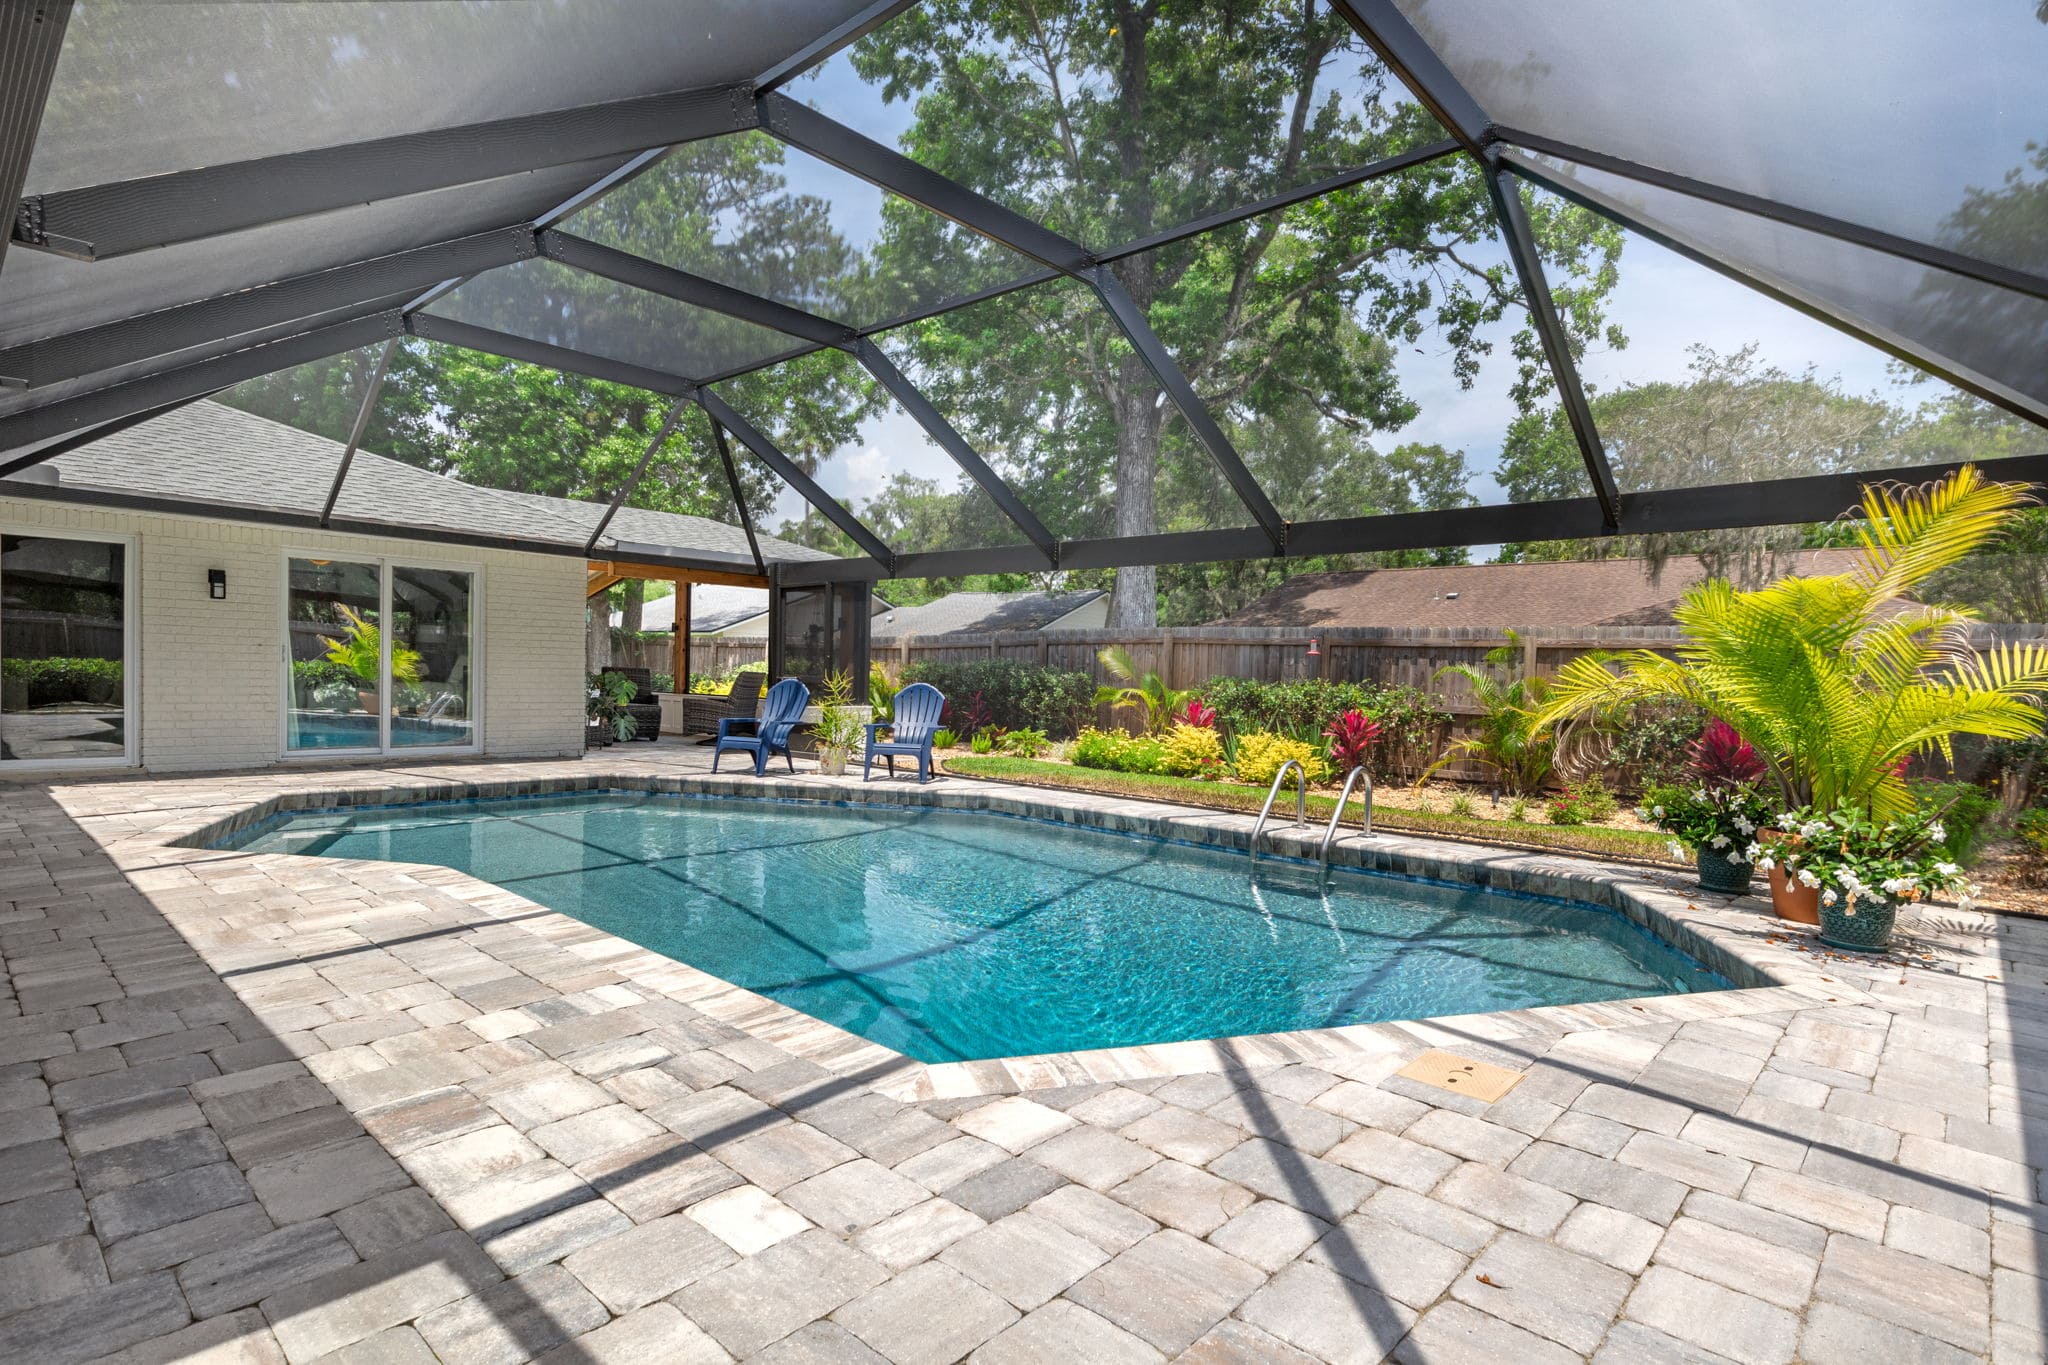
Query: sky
[[1663, 303]]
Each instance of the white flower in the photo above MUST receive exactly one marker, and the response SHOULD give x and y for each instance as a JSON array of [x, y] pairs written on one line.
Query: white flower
[[1735, 856], [1677, 849], [1827, 898], [1657, 811], [1642, 814], [1753, 850], [1946, 870], [1806, 877], [1743, 826], [1718, 841], [1700, 795], [1766, 863], [1936, 832]]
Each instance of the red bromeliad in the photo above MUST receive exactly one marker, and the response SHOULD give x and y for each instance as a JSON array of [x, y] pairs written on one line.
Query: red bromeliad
[[1720, 757], [1351, 737], [1198, 714]]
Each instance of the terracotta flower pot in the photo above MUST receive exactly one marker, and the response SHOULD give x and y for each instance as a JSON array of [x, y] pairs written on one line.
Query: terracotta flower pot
[[1799, 904]]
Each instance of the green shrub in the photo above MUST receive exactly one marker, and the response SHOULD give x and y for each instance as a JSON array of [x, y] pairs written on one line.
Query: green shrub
[[56, 681], [1193, 751], [1412, 722], [1262, 754], [1463, 806], [1964, 808], [1518, 811], [1098, 748], [1584, 802], [984, 742], [1143, 754], [944, 739], [1024, 743], [1019, 696]]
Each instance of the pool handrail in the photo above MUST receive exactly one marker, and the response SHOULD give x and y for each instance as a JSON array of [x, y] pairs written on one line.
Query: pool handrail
[[1300, 802], [1364, 824]]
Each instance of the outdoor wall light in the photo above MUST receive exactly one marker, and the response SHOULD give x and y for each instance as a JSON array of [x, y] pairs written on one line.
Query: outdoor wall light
[[217, 584]]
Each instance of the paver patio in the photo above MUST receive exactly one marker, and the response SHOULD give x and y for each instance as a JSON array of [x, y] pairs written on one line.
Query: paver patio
[[264, 1108]]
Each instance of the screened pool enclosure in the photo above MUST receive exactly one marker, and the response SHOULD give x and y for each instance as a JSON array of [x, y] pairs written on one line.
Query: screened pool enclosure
[[1128, 284]]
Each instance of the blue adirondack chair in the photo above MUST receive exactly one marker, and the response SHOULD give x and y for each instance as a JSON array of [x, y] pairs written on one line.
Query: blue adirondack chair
[[917, 719], [781, 711]]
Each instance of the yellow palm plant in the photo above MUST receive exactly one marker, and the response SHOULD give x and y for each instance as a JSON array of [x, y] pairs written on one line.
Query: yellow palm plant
[[1837, 679]]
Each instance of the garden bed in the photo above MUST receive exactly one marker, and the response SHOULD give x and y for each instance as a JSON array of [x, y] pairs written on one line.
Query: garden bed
[[1600, 841]]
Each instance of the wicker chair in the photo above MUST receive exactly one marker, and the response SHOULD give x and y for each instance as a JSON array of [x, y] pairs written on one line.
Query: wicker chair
[[702, 711], [643, 708]]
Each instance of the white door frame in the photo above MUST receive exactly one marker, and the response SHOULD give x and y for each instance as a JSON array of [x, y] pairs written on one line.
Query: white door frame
[[131, 659]]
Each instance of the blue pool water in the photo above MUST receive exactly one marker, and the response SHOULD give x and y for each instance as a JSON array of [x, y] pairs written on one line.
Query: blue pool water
[[328, 730], [949, 936]]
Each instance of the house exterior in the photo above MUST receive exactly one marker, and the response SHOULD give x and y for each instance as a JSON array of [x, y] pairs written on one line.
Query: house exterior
[[983, 613], [1596, 592], [143, 624]]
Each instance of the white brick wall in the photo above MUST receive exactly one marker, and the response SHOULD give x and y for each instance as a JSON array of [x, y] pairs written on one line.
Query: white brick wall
[[211, 673]]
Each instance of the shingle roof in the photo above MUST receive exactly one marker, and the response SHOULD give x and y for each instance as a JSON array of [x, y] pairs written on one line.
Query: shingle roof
[[976, 613], [210, 451], [1597, 592]]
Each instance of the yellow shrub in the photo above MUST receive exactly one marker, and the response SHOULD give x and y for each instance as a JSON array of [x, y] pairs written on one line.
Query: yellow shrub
[[1193, 751], [1259, 756]]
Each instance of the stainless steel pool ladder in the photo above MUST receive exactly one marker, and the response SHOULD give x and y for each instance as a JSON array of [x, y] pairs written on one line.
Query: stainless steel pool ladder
[[1364, 825], [1300, 802]]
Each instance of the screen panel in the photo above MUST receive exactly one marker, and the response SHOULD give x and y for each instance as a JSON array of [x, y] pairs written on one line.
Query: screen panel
[[1908, 118], [144, 89], [1107, 129], [1993, 337]]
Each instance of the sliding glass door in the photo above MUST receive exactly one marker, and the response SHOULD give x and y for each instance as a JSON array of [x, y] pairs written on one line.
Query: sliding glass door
[[381, 656], [66, 691]]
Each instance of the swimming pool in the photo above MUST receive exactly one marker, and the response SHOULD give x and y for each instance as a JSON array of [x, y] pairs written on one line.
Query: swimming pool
[[951, 936]]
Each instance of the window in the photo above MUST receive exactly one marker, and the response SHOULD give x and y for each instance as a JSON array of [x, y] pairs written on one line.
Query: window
[[381, 656], [66, 694]]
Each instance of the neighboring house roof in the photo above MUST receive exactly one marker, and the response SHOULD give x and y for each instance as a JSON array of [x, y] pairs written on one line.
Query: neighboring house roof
[[1594, 592], [978, 613], [210, 451], [713, 607]]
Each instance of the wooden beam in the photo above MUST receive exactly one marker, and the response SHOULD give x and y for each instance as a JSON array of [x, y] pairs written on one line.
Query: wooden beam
[[669, 573], [681, 643], [600, 580]]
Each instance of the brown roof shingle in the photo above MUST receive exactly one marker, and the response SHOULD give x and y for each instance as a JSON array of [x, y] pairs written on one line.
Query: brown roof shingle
[[1596, 592]]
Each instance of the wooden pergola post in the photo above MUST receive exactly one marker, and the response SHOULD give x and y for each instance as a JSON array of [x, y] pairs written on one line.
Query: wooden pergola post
[[682, 640]]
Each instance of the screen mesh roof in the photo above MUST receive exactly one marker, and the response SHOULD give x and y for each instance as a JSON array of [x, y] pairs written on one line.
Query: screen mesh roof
[[1322, 272]]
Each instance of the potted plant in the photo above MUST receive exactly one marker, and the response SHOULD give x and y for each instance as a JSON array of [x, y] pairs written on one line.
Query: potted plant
[[1837, 680], [1863, 868], [1718, 823], [839, 724], [608, 694]]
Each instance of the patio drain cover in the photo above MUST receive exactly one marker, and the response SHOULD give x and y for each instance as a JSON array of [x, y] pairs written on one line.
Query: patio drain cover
[[1461, 1075]]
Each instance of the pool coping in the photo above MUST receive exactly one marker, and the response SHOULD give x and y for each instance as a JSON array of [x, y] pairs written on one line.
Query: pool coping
[[1770, 963]]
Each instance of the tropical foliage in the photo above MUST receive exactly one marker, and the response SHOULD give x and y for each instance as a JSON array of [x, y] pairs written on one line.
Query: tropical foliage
[[358, 651], [1509, 738], [1839, 680], [1144, 692], [1260, 757]]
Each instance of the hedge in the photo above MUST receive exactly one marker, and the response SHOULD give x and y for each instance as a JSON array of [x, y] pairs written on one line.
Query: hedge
[[56, 681]]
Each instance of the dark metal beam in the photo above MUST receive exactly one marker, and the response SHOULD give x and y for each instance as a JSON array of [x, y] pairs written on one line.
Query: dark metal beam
[[668, 426], [1387, 31], [1193, 410], [1822, 497], [1938, 258], [792, 474], [194, 379], [31, 35], [846, 34], [807, 129], [739, 494], [171, 329], [640, 273], [453, 333], [2010, 400], [356, 429], [1557, 349], [954, 444], [98, 221]]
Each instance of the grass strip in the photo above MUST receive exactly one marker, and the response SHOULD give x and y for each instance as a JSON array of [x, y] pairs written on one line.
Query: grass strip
[[1594, 840]]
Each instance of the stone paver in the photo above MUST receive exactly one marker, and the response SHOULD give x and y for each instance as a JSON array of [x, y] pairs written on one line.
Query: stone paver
[[260, 1109]]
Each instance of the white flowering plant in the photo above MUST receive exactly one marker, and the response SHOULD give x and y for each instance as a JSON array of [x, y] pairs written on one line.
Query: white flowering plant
[[1715, 818], [1855, 860]]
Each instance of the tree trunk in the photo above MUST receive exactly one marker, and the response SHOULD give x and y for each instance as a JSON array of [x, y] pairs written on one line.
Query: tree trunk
[[636, 600], [1135, 601], [597, 632]]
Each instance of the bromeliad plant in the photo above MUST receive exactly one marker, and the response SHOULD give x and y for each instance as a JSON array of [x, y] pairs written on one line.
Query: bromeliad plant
[[1352, 737], [1837, 680]]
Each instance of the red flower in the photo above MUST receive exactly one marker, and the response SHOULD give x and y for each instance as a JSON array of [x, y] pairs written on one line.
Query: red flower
[[1197, 714], [1720, 757], [1351, 737]]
